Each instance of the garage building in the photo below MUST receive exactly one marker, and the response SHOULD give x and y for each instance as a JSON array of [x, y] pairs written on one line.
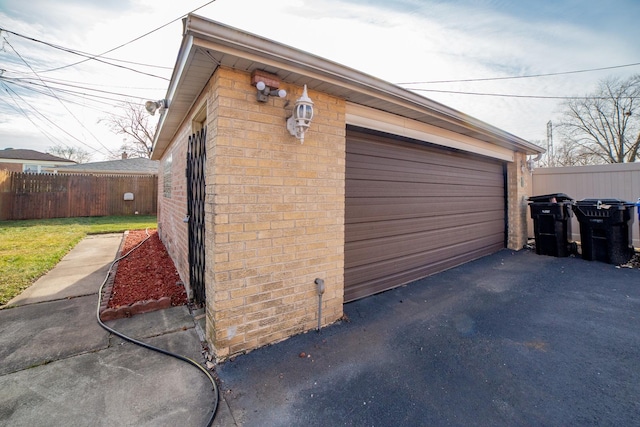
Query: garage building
[[380, 188]]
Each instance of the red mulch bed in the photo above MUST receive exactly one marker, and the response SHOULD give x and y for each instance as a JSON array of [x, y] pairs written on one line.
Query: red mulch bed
[[148, 273]]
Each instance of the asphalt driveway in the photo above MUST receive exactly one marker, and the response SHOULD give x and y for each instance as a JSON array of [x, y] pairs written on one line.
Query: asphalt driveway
[[511, 339]]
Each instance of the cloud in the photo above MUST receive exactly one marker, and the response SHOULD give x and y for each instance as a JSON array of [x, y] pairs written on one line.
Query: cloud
[[63, 17], [398, 41]]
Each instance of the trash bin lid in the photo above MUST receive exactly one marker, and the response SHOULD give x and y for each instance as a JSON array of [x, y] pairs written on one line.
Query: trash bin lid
[[594, 202], [546, 198]]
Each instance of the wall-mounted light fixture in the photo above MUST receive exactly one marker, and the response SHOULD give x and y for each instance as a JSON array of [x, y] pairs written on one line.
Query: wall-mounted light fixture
[[530, 165], [265, 91], [531, 162], [153, 106], [267, 85], [300, 121]]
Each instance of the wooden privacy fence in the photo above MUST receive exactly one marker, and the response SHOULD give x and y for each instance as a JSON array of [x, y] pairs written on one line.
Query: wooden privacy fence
[[39, 196]]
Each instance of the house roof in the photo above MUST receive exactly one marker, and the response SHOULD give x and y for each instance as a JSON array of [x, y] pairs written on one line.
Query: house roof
[[23, 154], [207, 44], [124, 166]]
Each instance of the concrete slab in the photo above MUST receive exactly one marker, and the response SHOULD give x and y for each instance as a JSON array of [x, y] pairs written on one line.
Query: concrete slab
[[120, 385], [79, 273], [155, 323], [36, 334], [145, 327]]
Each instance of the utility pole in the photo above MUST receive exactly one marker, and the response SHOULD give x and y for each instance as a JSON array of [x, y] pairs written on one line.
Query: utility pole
[[550, 144]]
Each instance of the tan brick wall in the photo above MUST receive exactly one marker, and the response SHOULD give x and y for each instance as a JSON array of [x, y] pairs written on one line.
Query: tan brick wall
[[173, 231], [172, 210], [518, 189], [277, 208]]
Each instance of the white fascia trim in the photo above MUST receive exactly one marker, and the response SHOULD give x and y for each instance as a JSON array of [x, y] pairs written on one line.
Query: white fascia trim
[[17, 161], [39, 162], [370, 118], [178, 73], [52, 162]]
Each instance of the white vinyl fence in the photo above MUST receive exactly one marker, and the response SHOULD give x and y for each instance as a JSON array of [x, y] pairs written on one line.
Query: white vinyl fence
[[615, 181]]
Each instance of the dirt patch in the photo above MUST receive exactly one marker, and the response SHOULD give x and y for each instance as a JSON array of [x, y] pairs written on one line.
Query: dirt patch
[[145, 280]]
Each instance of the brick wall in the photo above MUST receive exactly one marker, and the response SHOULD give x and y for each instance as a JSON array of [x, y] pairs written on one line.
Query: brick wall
[[11, 167], [172, 210], [277, 209], [518, 189]]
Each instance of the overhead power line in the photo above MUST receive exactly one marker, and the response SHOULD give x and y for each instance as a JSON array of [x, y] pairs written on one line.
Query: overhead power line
[[530, 76], [89, 56], [51, 85], [507, 95], [38, 113], [94, 102], [55, 96], [79, 52], [86, 97], [83, 84], [17, 108], [95, 57]]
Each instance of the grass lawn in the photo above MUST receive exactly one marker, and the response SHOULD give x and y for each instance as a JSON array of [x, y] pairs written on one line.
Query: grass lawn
[[30, 248]]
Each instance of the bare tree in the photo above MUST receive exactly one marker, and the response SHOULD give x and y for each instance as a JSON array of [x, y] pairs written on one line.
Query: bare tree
[[604, 127], [76, 154], [567, 153], [133, 122]]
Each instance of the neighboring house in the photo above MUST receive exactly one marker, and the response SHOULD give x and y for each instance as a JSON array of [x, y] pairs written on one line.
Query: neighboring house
[[21, 160], [136, 166], [387, 186]]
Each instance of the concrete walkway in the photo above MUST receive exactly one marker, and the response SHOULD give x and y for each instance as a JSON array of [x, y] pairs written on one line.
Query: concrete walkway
[[76, 274], [60, 368]]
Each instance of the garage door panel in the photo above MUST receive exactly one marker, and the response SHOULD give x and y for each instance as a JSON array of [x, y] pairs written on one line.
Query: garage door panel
[[412, 164], [413, 210], [366, 283], [412, 156], [362, 189], [412, 170], [395, 208], [395, 266], [378, 229], [428, 178], [405, 245]]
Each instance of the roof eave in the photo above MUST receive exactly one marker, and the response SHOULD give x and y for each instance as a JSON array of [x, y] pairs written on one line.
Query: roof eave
[[219, 38], [161, 138]]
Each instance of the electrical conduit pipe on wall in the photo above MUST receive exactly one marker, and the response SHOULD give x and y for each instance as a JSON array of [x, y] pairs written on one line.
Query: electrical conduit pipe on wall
[[320, 289]]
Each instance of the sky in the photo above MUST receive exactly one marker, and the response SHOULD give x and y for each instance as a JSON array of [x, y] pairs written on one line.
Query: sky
[[49, 98]]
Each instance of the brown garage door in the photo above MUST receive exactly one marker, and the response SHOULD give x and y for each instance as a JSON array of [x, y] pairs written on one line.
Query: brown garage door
[[413, 210]]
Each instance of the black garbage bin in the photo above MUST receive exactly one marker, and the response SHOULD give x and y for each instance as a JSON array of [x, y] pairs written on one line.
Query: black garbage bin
[[551, 214], [605, 229]]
